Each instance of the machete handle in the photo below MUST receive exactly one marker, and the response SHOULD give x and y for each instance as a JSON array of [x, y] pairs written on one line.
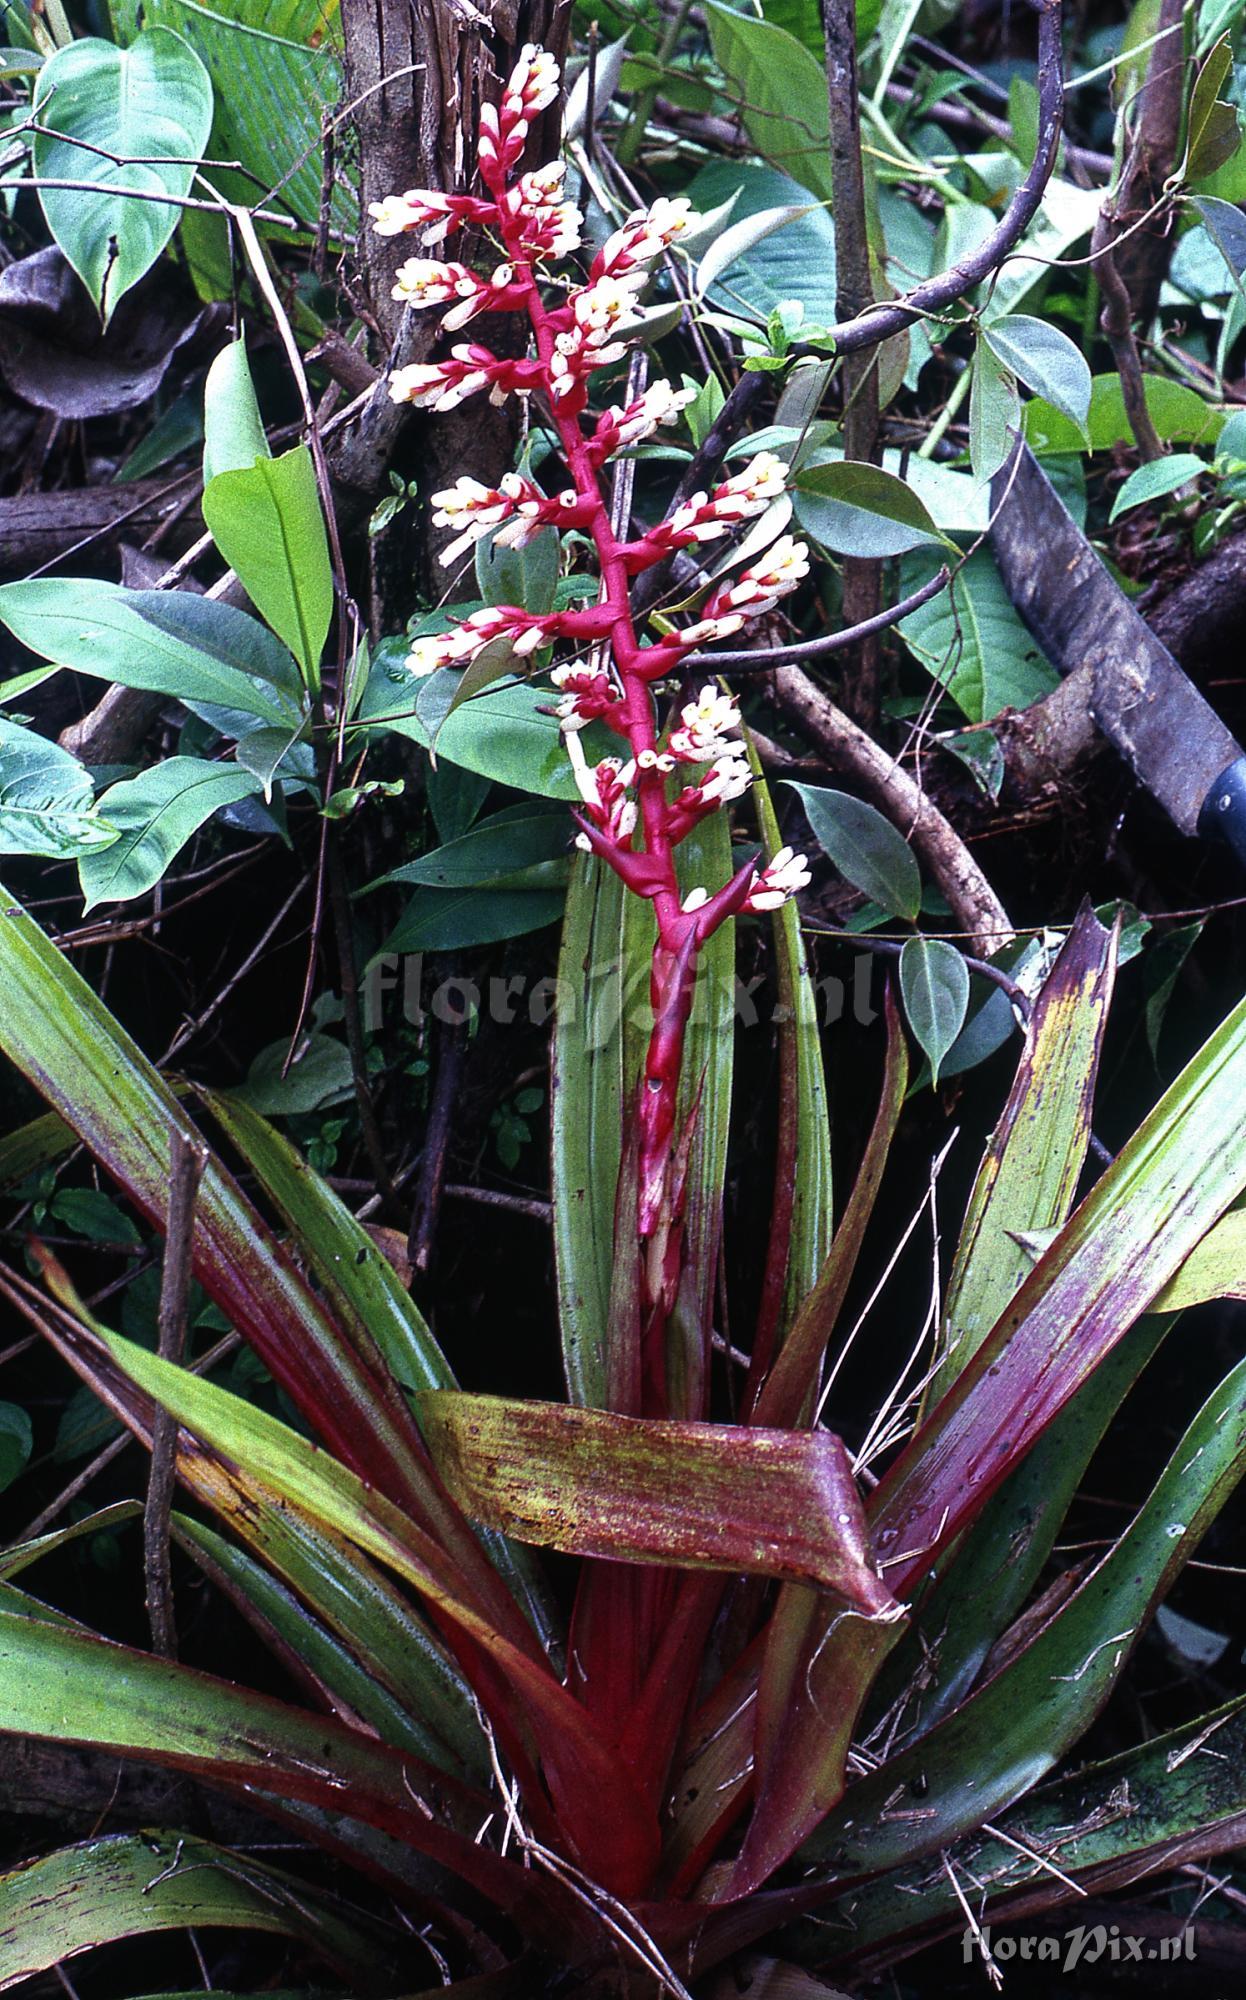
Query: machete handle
[[1223, 814]]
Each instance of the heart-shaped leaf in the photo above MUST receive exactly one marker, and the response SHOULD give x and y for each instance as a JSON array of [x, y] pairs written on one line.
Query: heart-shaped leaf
[[135, 118]]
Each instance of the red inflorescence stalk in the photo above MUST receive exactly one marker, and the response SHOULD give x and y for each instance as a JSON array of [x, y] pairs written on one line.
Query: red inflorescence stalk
[[586, 331]]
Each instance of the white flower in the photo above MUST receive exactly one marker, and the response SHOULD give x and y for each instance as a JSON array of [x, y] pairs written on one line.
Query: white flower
[[696, 899], [423, 281], [533, 83], [707, 724], [600, 307], [728, 778], [783, 878], [751, 490], [646, 233], [784, 565], [394, 215], [706, 630], [654, 760], [471, 508]]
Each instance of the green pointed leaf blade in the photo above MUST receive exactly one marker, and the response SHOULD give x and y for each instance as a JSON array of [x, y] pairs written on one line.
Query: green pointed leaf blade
[[864, 846], [1156, 480], [934, 981], [153, 816], [860, 510], [1181, 1170], [46, 799], [130, 1885], [267, 522], [1047, 361], [1032, 1165], [1001, 1741], [135, 118], [233, 430], [168, 642]]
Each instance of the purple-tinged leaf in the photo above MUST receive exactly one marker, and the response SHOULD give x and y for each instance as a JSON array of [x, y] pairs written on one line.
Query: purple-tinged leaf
[[640, 1490]]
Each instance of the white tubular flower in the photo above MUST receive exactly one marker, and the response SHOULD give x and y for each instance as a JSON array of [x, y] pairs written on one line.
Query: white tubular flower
[[655, 760], [660, 404], [707, 725], [533, 83], [784, 565], [544, 186], [751, 491], [472, 509], [396, 214], [706, 630], [783, 878], [424, 281], [728, 778], [432, 385], [646, 234], [603, 306]]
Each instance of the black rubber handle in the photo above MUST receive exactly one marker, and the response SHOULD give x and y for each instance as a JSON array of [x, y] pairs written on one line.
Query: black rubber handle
[[1224, 809]]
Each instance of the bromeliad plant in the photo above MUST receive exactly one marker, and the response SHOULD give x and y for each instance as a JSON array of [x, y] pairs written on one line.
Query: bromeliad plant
[[629, 817], [779, 1704]]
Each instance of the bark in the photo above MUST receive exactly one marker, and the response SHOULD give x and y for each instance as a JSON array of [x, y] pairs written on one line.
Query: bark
[[854, 293], [416, 130]]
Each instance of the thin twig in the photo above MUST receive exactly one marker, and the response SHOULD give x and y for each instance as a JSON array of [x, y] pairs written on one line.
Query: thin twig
[[187, 1160], [831, 642]]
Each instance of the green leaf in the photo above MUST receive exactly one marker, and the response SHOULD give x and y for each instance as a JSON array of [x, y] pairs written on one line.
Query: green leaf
[[1214, 1269], [972, 640], [56, 1030], [1179, 414], [934, 981], [285, 1466], [994, 412], [154, 816], [1211, 128], [133, 118], [1031, 1168], [792, 260], [508, 840], [865, 848], [233, 430], [1180, 1171], [319, 1076], [128, 1885], [1153, 481], [780, 90], [527, 576], [508, 734], [72, 1687], [1047, 361], [454, 919], [169, 642], [46, 799], [1004, 1738], [16, 1442], [639, 1490], [860, 510], [91, 1213], [595, 983], [268, 525], [274, 64]]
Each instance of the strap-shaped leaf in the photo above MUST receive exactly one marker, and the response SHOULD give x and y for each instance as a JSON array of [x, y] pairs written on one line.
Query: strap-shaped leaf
[[700, 1496], [1181, 1170], [267, 1454], [1146, 1811], [1009, 1734], [131, 1884], [1029, 1174]]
